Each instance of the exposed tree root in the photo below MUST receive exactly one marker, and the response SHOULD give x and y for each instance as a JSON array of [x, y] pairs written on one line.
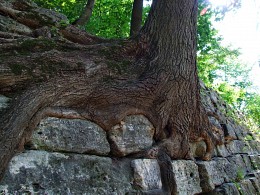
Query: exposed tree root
[[104, 81]]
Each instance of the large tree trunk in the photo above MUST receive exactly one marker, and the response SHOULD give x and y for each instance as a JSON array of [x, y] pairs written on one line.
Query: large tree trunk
[[103, 81]]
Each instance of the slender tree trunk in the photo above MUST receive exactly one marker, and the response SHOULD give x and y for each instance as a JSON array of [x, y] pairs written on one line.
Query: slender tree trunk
[[86, 14], [154, 75], [136, 19]]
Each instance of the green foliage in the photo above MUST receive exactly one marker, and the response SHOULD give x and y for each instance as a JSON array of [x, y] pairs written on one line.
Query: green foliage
[[229, 93], [70, 8], [111, 18], [220, 68], [252, 107], [214, 60], [240, 175]]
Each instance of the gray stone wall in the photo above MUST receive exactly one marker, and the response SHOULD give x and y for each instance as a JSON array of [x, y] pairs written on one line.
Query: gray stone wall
[[73, 156]]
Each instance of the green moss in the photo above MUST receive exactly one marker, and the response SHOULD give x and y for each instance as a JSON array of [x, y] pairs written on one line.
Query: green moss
[[240, 175], [63, 24], [249, 137], [17, 69]]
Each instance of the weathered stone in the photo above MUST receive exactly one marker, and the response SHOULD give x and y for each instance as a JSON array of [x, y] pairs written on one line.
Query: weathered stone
[[256, 183], [246, 187], [134, 134], [41, 172], [255, 146], [257, 174], [3, 102], [239, 164], [186, 177], [222, 151], [214, 97], [215, 172], [255, 161], [146, 174], [79, 136], [229, 131], [241, 132], [238, 147], [214, 122], [247, 162], [226, 189]]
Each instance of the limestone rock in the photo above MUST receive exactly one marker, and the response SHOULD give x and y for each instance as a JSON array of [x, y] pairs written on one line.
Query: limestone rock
[[239, 164], [146, 174], [70, 135], [246, 187], [134, 134], [255, 161], [41, 172], [255, 146], [241, 131], [247, 161], [215, 173], [214, 97], [226, 188], [238, 147], [229, 131], [215, 122], [256, 183], [222, 151], [186, 177]]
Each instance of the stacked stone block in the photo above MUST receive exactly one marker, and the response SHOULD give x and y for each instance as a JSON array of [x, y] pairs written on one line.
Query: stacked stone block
[[74, 156]]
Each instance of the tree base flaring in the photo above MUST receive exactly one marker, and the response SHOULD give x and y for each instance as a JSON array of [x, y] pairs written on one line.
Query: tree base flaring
[[72, 74]]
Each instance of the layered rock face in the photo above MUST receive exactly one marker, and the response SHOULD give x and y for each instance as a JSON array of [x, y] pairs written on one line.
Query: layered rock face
[[73, 156]]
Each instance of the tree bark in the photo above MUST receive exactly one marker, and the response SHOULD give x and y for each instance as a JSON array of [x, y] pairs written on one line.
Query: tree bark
[[86, 14], [103, 81], [136, 19]]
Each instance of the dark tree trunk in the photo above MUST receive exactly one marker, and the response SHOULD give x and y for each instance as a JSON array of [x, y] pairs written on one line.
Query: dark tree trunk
[[86, 14], [103, 81], [136, 19]]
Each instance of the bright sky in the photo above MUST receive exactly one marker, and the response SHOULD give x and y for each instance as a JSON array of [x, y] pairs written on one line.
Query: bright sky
[[242, 29]]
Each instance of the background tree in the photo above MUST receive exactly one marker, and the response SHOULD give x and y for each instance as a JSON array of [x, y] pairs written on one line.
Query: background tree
[[86, 14], [136, 19]]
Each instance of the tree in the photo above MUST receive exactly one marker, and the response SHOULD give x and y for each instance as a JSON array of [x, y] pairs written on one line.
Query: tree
[[86, 13], [136, 19], [65, 72]]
